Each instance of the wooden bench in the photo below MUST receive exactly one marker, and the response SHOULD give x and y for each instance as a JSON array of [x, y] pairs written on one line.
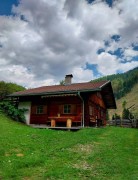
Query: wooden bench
[[67, 119]]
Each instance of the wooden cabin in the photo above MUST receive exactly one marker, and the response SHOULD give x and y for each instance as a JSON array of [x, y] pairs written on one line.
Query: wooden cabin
[[68, 105]]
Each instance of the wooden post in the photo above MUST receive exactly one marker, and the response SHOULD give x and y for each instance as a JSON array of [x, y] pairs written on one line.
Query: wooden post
[[69, 123], [53, 123]]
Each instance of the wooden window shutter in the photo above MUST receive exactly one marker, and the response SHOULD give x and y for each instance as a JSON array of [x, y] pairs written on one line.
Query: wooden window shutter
[[33, 110], [73, 109], [60, 109], [45, 109]]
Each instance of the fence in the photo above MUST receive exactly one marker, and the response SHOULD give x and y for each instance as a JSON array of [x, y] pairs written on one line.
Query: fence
[[124, 123]]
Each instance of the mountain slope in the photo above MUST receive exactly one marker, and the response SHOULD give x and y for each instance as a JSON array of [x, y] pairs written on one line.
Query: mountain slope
[[8, 88], [131, 98], [125, 88], [122, 83]]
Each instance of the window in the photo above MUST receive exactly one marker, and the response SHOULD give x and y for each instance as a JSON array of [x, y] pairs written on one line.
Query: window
[[39, 110], [91, 110], [67, 109]]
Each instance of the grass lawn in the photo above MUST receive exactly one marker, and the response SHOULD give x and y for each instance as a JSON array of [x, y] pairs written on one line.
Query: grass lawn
[[35, 154]]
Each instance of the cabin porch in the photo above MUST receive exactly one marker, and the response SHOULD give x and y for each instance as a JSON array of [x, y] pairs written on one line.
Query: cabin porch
[[42, 126], [66, 110]]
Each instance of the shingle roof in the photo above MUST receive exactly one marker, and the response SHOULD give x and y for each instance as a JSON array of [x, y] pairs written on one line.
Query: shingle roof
[[104, 86], [62, 88]]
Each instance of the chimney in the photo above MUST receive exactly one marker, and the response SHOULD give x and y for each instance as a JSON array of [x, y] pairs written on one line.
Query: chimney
[[68, 79]]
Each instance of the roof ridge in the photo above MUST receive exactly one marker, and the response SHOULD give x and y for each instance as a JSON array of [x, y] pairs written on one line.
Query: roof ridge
[[63, 88], [66, 85]]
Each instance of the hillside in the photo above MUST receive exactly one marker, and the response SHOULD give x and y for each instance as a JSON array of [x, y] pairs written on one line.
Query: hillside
[[8, 88], [122, 83], [125, 88], [91, 153], [131, 98]]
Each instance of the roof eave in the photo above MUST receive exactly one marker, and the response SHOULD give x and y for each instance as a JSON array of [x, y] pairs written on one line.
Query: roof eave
[[113, 106], [57, 92], [105, 84]]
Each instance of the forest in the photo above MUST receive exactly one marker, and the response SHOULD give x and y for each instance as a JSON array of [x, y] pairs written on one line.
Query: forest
[[7, 88], [122, 83]]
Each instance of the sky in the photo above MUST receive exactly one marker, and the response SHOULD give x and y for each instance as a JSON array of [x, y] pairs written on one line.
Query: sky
[[42, 41]]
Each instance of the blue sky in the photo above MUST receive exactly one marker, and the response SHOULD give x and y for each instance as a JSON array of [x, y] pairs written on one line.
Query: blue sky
[[42, 41], [6, 6], [109, 2]]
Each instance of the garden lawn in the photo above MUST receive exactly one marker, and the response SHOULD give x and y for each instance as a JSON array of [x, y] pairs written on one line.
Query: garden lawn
[[90, 153]]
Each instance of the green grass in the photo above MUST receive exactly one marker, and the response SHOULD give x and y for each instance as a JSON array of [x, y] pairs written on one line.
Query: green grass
[[39, 154]]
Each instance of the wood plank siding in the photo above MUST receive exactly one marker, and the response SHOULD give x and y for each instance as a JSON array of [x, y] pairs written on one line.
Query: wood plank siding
[[53, 107], [78, 104], [95, 110], [42, 109]]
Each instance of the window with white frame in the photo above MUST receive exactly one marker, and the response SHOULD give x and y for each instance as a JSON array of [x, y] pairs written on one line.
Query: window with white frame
[[67, 109], [39, 109]]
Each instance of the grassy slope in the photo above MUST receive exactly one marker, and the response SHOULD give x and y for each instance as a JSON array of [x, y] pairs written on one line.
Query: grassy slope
[[35, 154], [131, 98]]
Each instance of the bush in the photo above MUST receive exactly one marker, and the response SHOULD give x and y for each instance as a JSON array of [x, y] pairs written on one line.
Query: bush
[[13, 112], [125, 114], [116, 116]]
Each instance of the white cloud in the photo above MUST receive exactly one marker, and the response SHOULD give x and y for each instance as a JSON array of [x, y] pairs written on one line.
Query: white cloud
[[129, 53], [48, 39], [82, 75], [109, 64], [129, 15], [16, 73]]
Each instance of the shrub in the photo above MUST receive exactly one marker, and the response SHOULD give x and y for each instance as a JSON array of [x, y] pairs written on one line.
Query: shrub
[[116, 116], [125, 113], [13, 112]]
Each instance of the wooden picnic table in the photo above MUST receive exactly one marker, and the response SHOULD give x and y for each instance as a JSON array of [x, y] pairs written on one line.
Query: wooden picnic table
[[67, 119]]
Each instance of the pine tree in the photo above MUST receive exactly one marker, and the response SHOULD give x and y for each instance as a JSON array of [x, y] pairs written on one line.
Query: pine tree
[[125, 114]]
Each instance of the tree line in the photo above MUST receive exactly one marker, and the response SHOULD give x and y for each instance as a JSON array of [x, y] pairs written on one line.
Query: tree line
[[122, 83], [9, 88]]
